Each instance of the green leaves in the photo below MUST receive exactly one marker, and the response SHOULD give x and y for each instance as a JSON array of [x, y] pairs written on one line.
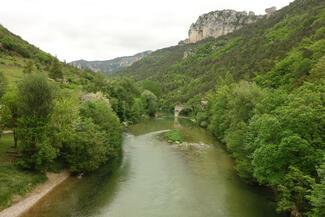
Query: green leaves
[[293, 191], [55, 71], [275, 136], [3, 84], [95, 139], [35, 95]]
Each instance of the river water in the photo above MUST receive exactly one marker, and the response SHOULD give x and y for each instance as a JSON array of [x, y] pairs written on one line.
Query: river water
[[156, 179]]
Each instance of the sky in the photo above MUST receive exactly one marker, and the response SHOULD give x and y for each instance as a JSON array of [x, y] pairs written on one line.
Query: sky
[[105, 29]]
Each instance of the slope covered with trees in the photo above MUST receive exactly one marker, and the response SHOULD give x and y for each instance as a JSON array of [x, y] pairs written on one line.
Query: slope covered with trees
[[60, 117], [186, 71], [260, 90]]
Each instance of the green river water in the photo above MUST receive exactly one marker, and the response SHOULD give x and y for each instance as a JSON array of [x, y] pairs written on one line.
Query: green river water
[[156, 179]]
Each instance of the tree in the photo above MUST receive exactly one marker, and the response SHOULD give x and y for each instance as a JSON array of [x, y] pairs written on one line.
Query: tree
[[152, 86], [96, 138], [63, 119], [36, 102], [102, 115], [137, 110], [293, 192], [86, 149], [317, 196], [122, 93], [150, 102], [55, 71]]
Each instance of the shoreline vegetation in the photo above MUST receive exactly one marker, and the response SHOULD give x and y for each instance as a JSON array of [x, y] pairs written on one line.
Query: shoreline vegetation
[[60, 117], [23, 204]]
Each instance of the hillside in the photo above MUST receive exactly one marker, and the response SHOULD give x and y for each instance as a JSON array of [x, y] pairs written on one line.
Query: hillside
[[186, 71], [58, 117], [109, 66]]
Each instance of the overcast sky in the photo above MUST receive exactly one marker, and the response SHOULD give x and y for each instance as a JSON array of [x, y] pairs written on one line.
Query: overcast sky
[[104, 29]]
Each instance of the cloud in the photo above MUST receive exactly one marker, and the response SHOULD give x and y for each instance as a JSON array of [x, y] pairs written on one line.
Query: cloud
[[104, 29]]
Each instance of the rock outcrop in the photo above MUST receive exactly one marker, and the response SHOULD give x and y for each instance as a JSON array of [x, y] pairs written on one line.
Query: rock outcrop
[[219, 23], [270, 11]]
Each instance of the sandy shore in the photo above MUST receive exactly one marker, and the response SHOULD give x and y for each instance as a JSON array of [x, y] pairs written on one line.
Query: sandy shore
[[27, 202]]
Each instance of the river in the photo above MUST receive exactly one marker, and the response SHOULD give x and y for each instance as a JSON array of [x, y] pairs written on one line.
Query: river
[[156, 179]]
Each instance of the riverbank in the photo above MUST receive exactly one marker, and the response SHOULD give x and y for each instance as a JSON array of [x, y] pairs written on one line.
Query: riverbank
[[14, 182], [27, 202]]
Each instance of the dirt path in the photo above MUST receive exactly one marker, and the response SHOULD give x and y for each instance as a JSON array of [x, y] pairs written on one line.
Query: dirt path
[[19, 208]]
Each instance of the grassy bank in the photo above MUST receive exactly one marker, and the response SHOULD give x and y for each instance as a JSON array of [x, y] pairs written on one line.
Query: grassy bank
[[14, 182]]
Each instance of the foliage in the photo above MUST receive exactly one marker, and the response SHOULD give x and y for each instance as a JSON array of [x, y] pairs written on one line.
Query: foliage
[[14, 45], [55, 71], [3, 84], [150, 102], [36, 101], [317, 196], [96, 139], [122, 94], [152, 86], [35, 95], [14, 181], [290, 40], [275, 136], [86, 150], [29, 68], [293, 191], [174, 136], [63, 119], [10, 112]]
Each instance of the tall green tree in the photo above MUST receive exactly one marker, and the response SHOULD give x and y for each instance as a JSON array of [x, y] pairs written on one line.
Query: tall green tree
[[96, 138], [293, 192], [150, 102], [317, 196], [36, 102], [56, 71]]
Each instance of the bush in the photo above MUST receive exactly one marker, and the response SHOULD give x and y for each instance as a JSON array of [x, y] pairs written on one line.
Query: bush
[[174, 136]]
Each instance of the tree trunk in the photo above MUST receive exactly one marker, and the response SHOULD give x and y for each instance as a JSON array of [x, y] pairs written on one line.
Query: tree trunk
[[15, 138]]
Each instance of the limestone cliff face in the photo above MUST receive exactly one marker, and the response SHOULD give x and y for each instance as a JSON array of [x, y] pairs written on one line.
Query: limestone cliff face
[[219, 23]]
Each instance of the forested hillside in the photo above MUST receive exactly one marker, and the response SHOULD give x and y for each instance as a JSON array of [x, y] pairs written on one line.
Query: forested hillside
[[60, 117], [260, 90], [186, 71]]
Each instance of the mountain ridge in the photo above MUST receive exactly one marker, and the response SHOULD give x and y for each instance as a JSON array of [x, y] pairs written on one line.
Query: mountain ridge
[[109, 66]]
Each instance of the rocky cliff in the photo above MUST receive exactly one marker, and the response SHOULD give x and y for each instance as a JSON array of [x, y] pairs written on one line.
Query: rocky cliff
[[218, 23], [109, 66]]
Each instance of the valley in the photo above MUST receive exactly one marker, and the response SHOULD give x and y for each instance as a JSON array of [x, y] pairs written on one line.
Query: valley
[[247, 140]]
